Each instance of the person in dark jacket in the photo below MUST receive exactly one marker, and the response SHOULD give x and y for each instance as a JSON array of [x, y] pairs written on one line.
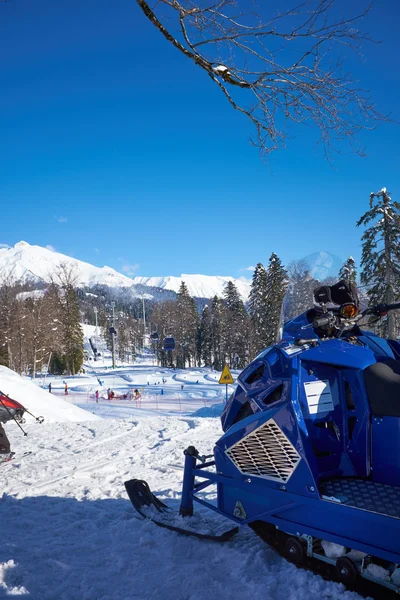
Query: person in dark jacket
[[5, 449], [9, 409]]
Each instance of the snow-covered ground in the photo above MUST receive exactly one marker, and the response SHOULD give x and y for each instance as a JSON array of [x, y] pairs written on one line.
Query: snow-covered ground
[[68, 529]]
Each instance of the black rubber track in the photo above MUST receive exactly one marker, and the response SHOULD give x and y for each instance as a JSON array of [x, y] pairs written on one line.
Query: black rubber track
[[277, 539]]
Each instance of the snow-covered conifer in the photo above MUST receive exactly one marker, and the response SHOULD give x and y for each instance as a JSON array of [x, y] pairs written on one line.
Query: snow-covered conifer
[[236, 330], [348, 271], [204, 339], [257, 308], [187, 326], [217, 333], [380, 259], [277, 282]]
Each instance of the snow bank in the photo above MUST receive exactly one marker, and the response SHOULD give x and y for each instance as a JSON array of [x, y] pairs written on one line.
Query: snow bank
[[38, 401]]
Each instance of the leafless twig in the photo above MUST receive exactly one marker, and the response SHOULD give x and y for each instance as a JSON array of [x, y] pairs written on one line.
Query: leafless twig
[[285, 68]]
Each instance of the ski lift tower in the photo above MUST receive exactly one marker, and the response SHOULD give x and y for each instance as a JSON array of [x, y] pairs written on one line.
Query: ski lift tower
[[144, 320], [96, 310], [113, 333]]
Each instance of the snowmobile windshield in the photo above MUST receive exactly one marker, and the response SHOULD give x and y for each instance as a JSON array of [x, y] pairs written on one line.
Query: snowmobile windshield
[[304, 276]]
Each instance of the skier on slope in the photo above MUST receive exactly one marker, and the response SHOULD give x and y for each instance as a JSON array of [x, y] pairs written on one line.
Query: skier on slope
[[9, 410], [5, 448]]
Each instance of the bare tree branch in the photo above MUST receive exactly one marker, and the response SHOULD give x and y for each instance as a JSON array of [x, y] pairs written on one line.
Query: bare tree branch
[[287, 68]]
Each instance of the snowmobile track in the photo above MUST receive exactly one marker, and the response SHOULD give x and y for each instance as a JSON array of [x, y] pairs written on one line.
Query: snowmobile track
[[276, 539]]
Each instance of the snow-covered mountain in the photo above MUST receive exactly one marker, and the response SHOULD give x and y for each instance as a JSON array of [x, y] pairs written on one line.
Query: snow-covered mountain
[[199, 286], [25, 262]]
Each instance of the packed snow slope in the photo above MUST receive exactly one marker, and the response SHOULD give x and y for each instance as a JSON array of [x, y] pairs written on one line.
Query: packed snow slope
[[69, 531], [38, 401]]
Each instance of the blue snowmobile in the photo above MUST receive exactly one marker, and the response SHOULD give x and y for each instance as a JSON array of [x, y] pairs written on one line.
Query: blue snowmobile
[[310, 456]]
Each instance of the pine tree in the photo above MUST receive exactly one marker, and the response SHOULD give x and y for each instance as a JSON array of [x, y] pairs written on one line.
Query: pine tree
[[204, 340], [277, 282], [348, 271], [257, 308], [380, 259], [217, 325], [72, 331], [236, 323], [186, 336]]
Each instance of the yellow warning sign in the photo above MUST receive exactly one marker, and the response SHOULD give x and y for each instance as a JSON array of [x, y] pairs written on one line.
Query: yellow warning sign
[[226, 376]]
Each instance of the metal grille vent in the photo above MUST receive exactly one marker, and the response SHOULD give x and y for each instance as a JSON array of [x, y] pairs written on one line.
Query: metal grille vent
[[265, 452]]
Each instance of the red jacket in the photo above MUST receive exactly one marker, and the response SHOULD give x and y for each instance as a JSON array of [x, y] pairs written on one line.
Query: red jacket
[[10, 409]]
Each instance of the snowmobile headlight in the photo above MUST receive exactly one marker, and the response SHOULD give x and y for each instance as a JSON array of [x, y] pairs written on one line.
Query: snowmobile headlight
[[348, 311]]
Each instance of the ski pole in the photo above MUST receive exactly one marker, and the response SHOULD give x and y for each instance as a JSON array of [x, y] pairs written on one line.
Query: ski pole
[[12, 416], [38, 419]]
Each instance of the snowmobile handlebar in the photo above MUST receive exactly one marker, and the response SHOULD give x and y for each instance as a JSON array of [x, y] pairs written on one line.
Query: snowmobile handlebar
[[381, 309], [325, 321], [329, 319]]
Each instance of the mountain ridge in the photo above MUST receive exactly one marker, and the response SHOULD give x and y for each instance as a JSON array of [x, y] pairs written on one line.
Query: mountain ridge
[[31, 263]]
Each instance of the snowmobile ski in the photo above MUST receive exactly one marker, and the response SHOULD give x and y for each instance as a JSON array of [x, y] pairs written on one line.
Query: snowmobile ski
[[141, 496]]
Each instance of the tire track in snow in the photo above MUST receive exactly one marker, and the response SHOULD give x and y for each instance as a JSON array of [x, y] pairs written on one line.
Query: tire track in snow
[[74, 469], [77, 468]]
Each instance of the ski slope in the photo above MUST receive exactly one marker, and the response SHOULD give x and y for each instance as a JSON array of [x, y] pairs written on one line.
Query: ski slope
[[69, 531]]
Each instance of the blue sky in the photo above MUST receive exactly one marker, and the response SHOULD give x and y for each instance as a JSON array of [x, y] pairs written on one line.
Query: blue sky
[[117, 150]]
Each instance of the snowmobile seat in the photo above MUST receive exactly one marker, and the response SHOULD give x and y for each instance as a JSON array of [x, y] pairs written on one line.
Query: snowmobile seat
[[382, 382]]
